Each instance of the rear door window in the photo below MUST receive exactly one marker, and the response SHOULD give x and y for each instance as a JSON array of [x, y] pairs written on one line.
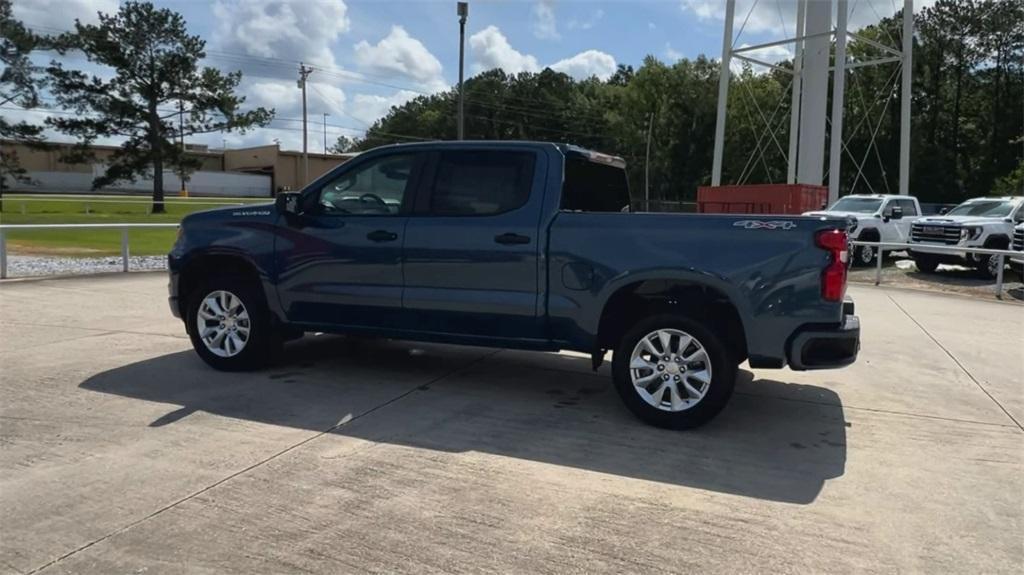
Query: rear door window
[[481, 182], [594, 187]]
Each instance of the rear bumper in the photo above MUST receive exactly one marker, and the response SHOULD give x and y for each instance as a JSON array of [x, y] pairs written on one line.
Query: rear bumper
[[820, 347]]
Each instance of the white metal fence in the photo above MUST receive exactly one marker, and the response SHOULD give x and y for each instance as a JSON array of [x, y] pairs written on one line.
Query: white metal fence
[[1004, 255], [125, 252], [4, 228]]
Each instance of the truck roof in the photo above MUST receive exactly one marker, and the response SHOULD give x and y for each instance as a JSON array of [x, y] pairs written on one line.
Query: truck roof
[[990, 198], [567, 149], [880, 196]]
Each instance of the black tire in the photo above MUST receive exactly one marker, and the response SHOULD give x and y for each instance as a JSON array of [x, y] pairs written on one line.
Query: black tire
[[988, 266], [723, 368], [926, 264], [865, 255], [263, 341]]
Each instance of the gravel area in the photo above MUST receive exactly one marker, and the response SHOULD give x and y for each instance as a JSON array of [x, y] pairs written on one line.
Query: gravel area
[[24, 266]]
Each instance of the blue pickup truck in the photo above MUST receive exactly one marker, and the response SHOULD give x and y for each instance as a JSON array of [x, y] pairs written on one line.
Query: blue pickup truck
[[523, 245]]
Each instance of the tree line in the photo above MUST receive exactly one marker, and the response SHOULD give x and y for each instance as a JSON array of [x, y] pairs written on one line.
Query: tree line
[[967, 120], [968, 105]]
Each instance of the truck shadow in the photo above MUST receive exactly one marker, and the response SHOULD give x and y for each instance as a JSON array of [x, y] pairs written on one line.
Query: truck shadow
[[776, 441]]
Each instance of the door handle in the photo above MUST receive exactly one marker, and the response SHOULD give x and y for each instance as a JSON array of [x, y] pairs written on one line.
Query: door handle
[[510, 239], [382, 236]]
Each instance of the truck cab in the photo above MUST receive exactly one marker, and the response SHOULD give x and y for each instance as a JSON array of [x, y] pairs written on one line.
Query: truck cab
[[975, 223], [875, 218]]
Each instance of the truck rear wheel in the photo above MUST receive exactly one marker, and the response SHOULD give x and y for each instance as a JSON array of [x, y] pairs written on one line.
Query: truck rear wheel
[[865, 255], [671, 371], [229, 325]]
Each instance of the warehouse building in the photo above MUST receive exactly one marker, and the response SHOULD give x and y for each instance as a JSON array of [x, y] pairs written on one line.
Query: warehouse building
[[258, 171]]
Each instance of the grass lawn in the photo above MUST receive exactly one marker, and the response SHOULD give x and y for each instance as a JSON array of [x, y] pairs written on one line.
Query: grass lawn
[[22, 209]]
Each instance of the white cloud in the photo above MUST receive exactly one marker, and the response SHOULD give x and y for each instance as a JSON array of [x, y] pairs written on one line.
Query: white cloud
[[288, 29], [398, 53], [367, 108], [589, 23], [671, 54], [778, 17], [491, 49], [651, 26], [587, 64], [545, 25], [49, 15]]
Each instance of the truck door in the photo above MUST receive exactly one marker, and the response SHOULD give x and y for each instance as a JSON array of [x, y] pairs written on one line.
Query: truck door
[[340, 261], [910, 214], [471, 245]]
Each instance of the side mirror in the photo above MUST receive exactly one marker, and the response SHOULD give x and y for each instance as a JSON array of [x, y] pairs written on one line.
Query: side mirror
[[897, 213], [942, 211], [287, 203]]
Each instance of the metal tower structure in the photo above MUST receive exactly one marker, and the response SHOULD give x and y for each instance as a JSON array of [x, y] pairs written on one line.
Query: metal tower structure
[[813, 38]]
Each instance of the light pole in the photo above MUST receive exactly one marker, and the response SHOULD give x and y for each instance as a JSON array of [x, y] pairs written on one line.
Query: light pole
[[462, 8], [325, 132]]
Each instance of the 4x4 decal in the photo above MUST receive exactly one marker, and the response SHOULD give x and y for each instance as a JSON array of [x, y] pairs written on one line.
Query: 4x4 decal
[[765, 225]]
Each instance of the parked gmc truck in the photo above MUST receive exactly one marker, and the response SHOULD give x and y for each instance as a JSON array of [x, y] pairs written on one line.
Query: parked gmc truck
[[519, 245]]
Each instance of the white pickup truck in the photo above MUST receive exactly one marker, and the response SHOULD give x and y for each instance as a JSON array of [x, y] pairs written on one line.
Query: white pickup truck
[[976, 223], [875, 218], [1017, 245]]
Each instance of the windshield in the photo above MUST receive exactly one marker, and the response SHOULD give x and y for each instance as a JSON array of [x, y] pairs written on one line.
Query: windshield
[[857, 205], [987, 208]]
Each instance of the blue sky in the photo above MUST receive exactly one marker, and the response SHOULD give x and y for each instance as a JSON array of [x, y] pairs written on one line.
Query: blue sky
[[371, 54]]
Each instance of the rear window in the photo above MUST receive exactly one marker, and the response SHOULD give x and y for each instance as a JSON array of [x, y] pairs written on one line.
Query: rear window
[[593, 187]]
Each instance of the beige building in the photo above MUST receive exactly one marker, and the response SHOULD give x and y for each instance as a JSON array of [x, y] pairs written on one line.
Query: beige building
[[283, 167]]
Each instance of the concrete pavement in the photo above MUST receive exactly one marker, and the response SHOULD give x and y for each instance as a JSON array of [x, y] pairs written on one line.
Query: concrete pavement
[[123, 452]]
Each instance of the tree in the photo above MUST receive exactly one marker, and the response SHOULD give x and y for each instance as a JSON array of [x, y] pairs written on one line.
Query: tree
[[156, 66], [968, 112], [343, 145], [19, 85]]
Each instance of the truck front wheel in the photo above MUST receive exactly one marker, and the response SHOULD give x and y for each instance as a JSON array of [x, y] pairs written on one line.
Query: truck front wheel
[[229, 324], [926, 264], [988, 266], [672, 371]]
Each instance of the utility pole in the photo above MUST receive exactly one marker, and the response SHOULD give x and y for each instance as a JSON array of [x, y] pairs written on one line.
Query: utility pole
[[325, 132], [181, 138], [463, 10], [647, 165], [304, 73]]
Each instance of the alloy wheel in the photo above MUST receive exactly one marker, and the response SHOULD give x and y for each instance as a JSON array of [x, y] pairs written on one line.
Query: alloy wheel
[[670, 370], [223, 323]]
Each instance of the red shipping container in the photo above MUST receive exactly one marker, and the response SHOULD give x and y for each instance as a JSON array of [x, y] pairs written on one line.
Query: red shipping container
[[792, 199]]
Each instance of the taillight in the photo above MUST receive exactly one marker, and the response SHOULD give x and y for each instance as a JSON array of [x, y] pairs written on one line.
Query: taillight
[[833, 279]]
